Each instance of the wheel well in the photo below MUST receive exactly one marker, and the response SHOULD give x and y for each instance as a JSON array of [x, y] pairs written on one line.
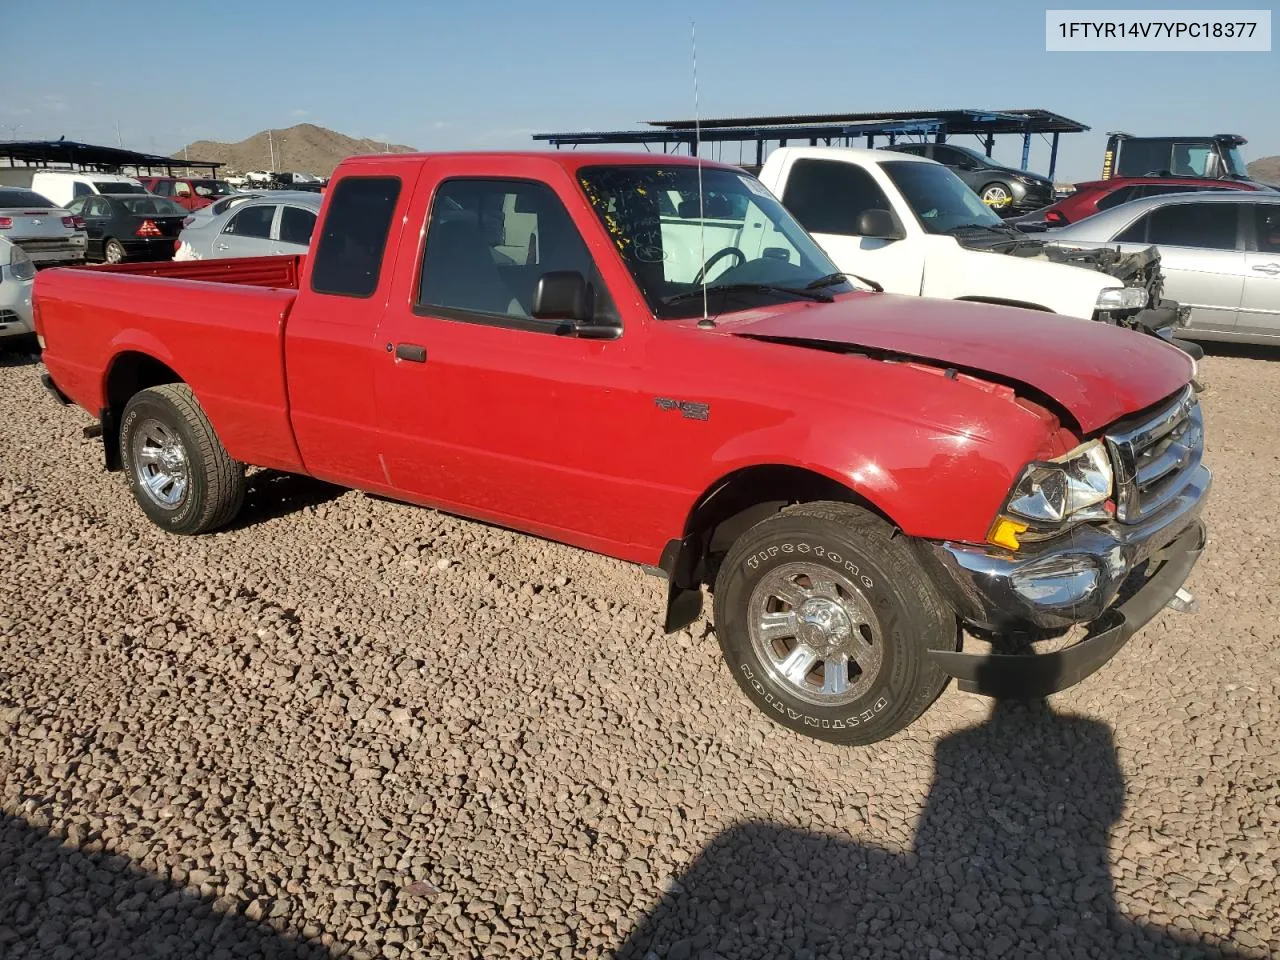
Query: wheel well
[[736, 503], [999, 302], [130, 372]]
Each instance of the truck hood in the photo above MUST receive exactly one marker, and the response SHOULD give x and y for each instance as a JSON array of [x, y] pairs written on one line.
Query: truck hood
[[1097, 372]]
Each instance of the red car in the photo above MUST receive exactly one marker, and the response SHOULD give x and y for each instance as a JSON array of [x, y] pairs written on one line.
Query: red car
[[537, 341], [189, 192], [1095, 195]]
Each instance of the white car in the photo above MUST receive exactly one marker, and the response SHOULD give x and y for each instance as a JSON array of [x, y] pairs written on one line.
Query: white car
[[277, 222], [914, 227], [17, 277], [47, 234], [62, 186]]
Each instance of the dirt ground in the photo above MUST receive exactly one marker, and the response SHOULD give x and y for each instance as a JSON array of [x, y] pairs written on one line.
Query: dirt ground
[[348, 727]]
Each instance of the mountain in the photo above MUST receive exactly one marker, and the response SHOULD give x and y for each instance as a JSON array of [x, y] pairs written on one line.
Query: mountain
[[1267, 170], [305, 148]]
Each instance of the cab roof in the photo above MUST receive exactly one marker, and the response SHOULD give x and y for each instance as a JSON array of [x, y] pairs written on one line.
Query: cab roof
[[568, 160]]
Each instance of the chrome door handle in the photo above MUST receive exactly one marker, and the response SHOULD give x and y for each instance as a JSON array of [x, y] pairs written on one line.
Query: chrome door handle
[[1272, 268]]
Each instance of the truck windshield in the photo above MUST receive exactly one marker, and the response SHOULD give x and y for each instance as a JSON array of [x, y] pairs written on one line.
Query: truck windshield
[[940, 200], [735, 236], [1234, 160]]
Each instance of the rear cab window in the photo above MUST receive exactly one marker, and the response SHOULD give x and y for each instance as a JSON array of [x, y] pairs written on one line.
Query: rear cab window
[[353, 237]]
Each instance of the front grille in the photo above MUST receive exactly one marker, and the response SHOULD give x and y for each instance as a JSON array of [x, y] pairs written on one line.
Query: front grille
[[8, 316], [1152, 454]]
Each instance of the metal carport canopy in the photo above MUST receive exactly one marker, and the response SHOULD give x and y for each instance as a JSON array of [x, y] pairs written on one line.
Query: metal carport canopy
[[826, 127], [72, 153]]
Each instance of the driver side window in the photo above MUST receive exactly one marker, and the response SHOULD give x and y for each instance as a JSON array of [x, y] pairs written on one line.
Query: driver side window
[[827, 196], [490, 241]]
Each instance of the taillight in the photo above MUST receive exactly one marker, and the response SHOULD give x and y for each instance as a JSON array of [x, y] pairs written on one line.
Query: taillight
[[78, 222], [148, 229], [69, 222], [6, 223], [1054, 216]]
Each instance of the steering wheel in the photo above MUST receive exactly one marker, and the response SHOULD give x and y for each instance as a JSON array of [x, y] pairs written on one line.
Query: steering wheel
[[716, 258]]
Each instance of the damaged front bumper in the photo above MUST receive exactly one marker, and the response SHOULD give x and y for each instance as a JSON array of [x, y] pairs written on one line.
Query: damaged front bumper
[[1113, 577]]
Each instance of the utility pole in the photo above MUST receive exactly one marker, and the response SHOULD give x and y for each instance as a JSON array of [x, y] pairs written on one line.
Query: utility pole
[[13, 130], [280, 156], [271, 149], [119, 139]]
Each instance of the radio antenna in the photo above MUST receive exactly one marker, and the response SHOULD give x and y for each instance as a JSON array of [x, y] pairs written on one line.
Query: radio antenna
[[706, 320]]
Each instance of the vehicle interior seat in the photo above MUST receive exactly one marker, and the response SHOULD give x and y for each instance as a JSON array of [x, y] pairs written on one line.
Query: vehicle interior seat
[[459, 271]]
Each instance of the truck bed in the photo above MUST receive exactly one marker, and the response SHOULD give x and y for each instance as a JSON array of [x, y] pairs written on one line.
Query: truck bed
[[218, 325], [280, 272]]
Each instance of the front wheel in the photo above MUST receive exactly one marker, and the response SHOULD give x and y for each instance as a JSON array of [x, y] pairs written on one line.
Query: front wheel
[[825, 618], [179, 472], [997, 196]]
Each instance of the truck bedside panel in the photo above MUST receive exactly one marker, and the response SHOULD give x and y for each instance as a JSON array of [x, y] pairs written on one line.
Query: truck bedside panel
[[90, 318]]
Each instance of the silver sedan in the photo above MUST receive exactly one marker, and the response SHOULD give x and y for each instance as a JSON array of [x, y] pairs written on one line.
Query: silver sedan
[[277, 222], [49, 234], [1220, 254], [17, 277]]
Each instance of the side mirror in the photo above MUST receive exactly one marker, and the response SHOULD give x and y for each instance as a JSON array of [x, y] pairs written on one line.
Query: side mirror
[[566, 295], [878, 225], [562, 295]]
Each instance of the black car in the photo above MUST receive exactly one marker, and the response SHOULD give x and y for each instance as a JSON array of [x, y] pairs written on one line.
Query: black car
[[135, 226], [1004, 189]]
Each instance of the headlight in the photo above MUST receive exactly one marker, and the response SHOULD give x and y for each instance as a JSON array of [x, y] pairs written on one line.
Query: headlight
[[1051, 492], [20, 264], [1122, 298], [1027, 180], [1076, 486]]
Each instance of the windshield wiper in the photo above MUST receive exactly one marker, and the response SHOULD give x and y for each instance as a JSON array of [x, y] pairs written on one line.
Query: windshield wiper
[[831, 279], [749, 288], [971, 226]]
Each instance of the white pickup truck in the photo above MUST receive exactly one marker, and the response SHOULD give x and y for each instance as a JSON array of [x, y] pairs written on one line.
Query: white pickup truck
[[913, 227]]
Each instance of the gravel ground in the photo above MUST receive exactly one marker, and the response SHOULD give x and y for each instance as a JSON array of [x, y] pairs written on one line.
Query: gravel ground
[[354, 728]]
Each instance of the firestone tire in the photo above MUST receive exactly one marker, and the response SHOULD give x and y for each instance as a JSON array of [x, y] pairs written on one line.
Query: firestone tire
[[178, 470], [833, 583]]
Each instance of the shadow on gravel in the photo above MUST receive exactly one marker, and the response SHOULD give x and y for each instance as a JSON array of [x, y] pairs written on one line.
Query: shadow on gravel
[[1009, 860], [57, 903], [22, 351], [1250, 351], [270, 494]]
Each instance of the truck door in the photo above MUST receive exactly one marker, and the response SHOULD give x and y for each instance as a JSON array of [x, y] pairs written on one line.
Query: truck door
[[484, 408], [827, 196], [332, 347]]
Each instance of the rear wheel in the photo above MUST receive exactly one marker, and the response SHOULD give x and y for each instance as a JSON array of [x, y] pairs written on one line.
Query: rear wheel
[[113, 251], [179, 472], [825, 619]]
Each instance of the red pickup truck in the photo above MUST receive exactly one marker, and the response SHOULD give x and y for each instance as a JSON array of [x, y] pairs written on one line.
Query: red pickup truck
[[650, 360]]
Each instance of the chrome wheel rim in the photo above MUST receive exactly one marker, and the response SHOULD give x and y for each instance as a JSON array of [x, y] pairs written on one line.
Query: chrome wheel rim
[[160, 464], [816, 633], [995, 197]]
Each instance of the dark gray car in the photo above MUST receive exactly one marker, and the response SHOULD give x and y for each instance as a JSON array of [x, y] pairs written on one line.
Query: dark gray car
[[1004, 189]]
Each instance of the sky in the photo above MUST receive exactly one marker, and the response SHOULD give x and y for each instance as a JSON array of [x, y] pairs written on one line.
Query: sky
[[443, 76]]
